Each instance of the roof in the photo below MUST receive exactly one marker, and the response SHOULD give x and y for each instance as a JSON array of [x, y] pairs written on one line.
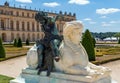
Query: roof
[[110, 38]]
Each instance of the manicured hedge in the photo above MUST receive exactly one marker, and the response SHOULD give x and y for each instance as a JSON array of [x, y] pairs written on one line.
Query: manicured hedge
[[87, 42], [2, 50]]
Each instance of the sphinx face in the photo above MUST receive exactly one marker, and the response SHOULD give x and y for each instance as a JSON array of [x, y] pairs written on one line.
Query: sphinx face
[[76, 35]]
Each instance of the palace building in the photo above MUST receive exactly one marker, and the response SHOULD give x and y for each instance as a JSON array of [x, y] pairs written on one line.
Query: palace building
[[20, 22]]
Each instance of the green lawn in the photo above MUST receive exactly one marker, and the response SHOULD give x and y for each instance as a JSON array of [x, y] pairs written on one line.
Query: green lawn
[[12, 52], [110, 53], [109, 50], [5, 79]]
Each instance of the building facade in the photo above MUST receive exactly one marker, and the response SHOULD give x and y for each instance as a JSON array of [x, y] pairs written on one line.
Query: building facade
[[19, 22]]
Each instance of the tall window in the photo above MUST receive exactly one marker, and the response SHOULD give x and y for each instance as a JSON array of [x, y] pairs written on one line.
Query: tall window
[[28, 26], [2, 24], [17, 24], [4, 37], [33, 15], [23, 26], [23, 14], [18, 35], [23, 37], [27, 14], [33, 37], [11, 25], [28, 36], [33, 29], [10, 12], [12, 36], [17, 13], [1, 11]]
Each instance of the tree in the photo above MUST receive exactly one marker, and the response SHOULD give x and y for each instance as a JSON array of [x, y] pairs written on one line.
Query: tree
[[94, 41], [27, 42], [15, 43], [102, 35], [2, 50], [117, 35], [19, 43], [119, 41], [87, 42]]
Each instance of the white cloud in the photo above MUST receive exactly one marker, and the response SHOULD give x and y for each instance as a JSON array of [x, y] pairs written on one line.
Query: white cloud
[[22, 5], [92, 22], [103, 17], [24, 1], [87, 19], [113, 22], [104, 24], [107, 11], [52, 4], [79, 2], [80, 21]]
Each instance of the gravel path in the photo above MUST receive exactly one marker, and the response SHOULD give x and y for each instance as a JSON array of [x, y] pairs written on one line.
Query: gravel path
[[13, 67], [115, 67]]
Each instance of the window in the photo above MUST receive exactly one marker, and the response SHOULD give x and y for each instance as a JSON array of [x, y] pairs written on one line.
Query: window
[[28, 26], [17, 24], [23, 14], [12, 36], [2, 24], [33, 15], [23, 26], [6, 12], [23, 37], [10, 12], [11, 25], [17, 13], [33, 37], [27, 14], [1, 11], [33, 27]]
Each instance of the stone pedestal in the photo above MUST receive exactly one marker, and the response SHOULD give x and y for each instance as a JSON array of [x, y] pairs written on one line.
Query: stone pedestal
[[30, 76]]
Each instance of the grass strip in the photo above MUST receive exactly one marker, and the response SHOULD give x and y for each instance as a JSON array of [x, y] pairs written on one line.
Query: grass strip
[[5, 79]]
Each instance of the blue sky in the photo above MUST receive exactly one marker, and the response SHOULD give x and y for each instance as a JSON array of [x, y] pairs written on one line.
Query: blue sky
[[96, 15]]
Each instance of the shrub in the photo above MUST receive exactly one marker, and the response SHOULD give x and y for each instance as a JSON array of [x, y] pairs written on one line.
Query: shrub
[[94, 41], [87, 42], [2, 50], [19, 43], [15, 43], [27, 42]]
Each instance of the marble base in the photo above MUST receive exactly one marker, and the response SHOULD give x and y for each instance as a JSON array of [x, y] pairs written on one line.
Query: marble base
[[30, 76]]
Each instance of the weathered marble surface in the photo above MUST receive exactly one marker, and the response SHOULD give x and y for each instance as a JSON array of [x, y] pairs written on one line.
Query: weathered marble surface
[[32, 57], [30, 76]]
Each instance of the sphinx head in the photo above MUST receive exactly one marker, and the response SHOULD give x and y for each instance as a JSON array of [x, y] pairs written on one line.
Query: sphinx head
[[73, 31]]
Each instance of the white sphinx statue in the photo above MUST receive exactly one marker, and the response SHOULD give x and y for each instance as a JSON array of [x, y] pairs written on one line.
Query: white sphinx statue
[[73, 58]]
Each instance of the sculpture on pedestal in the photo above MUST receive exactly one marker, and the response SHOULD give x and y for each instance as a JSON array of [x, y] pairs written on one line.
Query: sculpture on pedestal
[[72, 56], [67, 56]]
